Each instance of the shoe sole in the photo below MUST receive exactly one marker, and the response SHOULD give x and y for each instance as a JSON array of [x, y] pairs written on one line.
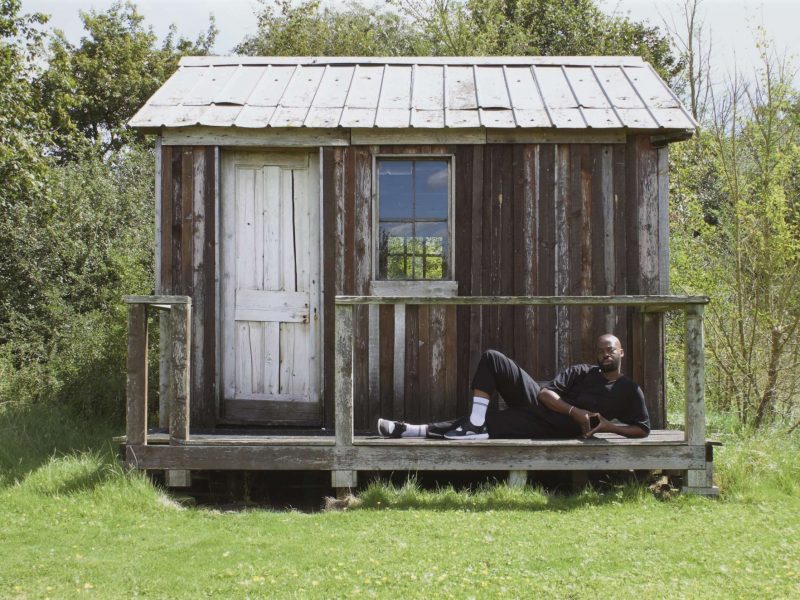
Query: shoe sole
[[477, 436]]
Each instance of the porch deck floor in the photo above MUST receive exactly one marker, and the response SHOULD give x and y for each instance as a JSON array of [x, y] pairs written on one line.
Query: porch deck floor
[[669, 437], [663, 449]]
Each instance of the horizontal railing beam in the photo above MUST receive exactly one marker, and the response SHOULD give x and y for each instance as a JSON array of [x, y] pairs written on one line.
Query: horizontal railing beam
[[662, 303], [157, 299]]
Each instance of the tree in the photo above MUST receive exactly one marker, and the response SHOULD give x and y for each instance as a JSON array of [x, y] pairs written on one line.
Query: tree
[[694, 43], [454, 28], [76, 200], [737, 237], [310, 30], [91, 89]]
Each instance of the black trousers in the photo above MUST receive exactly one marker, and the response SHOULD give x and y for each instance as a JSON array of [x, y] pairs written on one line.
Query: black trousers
[[525, 416]]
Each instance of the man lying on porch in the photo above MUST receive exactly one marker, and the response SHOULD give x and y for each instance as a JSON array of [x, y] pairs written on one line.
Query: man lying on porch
[[581, 401]]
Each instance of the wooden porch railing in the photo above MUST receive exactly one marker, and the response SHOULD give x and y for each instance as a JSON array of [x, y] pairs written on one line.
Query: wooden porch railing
[[179, 309], [695, 424]]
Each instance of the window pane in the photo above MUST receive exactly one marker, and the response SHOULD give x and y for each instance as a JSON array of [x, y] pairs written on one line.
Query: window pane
[[431, 183], [436, 244], [396, 268], [395, 189], [396, 241], [416, 273], [434, 267]]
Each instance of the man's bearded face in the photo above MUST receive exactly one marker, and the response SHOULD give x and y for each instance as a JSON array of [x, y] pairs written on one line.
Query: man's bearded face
[[609, 355]]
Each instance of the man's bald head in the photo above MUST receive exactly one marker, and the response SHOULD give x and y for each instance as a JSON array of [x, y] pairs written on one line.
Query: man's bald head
[[609, 353], [607, 338]]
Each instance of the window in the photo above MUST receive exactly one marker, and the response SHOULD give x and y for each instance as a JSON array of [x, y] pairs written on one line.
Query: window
[[414, 219]]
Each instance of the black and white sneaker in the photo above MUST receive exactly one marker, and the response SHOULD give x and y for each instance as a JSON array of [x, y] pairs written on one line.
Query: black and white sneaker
[[390, 429], [437, 430], [467, 431]]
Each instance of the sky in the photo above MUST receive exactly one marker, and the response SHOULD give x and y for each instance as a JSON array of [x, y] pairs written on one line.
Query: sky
[[731, 22]]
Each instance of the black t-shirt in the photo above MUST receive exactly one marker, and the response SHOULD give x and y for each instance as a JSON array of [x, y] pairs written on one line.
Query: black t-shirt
[[585, 387]]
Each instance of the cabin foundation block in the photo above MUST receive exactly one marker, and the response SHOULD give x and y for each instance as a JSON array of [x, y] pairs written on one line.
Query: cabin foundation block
[[343, 482], [517, 478], [178, 478]]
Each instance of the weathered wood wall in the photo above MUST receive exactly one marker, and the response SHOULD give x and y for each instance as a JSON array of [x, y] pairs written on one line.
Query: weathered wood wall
[[188, 259], [530, 219]]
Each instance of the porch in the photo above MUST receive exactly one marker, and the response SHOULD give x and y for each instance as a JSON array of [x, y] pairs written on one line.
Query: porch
[[343, 453]]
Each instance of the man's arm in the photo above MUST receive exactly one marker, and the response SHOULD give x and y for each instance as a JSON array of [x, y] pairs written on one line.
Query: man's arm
[[606, 426], [554, 402]]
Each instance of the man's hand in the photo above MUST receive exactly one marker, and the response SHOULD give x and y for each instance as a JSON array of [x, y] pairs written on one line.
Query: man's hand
[[604, 425], [581, 417]]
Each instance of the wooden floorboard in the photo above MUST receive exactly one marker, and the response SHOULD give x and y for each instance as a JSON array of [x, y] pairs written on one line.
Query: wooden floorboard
[[467, 456], [661, 436]]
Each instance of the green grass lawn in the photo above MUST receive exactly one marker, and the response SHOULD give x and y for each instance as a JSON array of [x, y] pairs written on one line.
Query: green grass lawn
[[76, 526]]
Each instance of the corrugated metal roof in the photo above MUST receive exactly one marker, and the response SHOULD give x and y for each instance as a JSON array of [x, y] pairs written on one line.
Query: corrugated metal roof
[[420, 92]]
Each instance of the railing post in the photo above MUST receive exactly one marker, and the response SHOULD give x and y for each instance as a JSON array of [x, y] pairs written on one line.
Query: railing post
[[136, 407], [697, 480], [343, 390], [180, 330], [695, 376]]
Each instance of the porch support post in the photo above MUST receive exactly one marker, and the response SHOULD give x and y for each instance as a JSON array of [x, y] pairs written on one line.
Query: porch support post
[[696, 481], [180, 328], [517, 478], [136, 408], [343, 390]]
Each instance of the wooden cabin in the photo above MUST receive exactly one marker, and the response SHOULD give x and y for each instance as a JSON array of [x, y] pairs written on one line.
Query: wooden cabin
[[449, 204]]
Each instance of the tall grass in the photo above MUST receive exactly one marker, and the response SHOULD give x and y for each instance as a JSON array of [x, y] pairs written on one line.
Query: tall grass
[[32, 435], [757, 466]]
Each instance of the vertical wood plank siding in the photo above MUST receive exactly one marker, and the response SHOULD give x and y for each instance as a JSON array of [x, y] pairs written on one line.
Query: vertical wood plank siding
[[530, 219], [538, 219], [188, 199]]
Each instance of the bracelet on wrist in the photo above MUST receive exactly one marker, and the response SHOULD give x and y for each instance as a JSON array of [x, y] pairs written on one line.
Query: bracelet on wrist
[[571, 408]]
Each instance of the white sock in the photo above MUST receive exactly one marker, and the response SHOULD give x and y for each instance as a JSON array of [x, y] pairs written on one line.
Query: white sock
[[414, 431], [479, 406]]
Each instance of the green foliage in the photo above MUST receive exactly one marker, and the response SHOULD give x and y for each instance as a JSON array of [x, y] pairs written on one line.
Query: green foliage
[[455, 28], [64, 332], [91, 89], [76, 204], [736, 237], [309, 29]]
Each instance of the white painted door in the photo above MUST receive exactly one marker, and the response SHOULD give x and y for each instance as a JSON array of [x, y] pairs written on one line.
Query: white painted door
[[270, 288]]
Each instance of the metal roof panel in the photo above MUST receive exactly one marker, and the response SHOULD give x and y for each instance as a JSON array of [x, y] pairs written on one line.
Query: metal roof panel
[[522, 89], [491, 85], [254, 116], [271, 86], [426, 92], [302, 87], [207, 86], [240, 86], [396, 89], [393, 117], [366, 87], [333, 87], [461, 93], [358, 117]]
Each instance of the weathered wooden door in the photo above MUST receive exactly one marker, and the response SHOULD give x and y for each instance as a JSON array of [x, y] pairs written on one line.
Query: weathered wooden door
[[270, 288]]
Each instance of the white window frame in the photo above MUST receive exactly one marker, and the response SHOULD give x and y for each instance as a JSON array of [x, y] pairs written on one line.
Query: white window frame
[[447, 286]]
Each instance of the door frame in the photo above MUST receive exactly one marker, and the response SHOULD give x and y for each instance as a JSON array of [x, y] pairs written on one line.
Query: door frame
[[250, 412]]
